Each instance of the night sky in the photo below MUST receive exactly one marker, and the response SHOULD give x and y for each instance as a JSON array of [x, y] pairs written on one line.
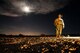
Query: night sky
[[39, 20]]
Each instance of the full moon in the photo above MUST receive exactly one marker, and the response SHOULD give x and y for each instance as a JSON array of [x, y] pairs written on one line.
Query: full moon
[[26, 9]]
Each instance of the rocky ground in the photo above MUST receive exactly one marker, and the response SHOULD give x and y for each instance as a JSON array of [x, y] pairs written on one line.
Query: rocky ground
[[39, 45]]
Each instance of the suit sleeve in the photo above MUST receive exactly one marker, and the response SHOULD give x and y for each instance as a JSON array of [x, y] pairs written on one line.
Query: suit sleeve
[[55, 22], [63, 24]]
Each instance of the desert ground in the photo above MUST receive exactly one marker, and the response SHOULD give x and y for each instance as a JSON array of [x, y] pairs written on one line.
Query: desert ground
[[39, 44]]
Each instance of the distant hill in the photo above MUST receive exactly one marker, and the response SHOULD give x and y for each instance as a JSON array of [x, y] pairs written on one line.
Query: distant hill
[[42, 35]]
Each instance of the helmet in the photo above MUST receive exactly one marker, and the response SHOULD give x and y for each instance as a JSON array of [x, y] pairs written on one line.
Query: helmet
[[59, 16]]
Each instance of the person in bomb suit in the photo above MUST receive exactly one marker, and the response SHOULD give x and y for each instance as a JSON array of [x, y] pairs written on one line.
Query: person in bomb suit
[[59, 24]]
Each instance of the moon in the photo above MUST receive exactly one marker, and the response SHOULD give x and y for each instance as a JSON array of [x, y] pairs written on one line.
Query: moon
[[26, 9]]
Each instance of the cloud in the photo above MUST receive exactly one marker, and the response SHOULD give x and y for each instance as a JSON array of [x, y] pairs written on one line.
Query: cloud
[[15, 7]]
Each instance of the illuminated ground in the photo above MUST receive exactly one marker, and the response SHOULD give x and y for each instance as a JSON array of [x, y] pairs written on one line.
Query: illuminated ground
[[39, 45]]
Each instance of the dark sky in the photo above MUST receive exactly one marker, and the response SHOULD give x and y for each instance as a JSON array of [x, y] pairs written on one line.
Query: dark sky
[[40, 21]]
